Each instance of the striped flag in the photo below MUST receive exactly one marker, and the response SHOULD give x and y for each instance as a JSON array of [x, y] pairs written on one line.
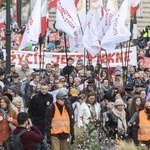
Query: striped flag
[[2, 20]]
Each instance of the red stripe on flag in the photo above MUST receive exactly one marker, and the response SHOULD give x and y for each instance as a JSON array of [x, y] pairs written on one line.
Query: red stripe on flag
[[76, 2], [0, 3], [2, 25], [134, 9], [44, 26], [53, 4]]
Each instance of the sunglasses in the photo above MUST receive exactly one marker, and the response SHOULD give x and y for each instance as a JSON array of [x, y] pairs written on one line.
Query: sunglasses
[[63, 98], [62, 81], [137, 78]]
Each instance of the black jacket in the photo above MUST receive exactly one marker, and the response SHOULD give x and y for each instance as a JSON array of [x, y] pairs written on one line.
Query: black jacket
[[37, 109], [112, 124], [48, 119]]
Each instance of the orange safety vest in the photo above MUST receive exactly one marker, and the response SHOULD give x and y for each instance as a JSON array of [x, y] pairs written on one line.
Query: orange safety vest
[[60, 122], [144, 127]]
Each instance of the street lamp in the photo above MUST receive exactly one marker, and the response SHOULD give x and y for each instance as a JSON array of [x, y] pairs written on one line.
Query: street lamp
[[19, 12], [8, 41]]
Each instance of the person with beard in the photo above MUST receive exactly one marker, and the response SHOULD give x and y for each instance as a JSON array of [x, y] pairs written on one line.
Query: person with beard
[[59, 123], [142, 126]]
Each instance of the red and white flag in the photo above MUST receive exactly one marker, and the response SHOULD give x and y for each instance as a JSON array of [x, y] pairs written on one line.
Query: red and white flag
[[118, 31], [135, 5], [44, 18], [66, 17], [94, 29], [76, 42], [53, 4], [33, 28], [2, 20]]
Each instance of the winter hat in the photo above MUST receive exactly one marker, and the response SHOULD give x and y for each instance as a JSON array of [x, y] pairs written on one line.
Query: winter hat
[[117, 72], [60, 94], [119, 102], [74, 92], [129, 86], [13, 88], [61, 77], [139, 85], [91, 81]]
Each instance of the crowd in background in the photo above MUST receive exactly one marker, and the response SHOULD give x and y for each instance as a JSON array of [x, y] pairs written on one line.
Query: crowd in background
[[113, 97]]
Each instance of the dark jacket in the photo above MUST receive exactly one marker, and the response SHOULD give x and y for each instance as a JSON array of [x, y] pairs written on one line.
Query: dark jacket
[[37, 109], [29, 138], [112, 124], [67, 70], [48, 119]]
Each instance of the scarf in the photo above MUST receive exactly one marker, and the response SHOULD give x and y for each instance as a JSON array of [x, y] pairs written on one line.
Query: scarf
[[4, 112], [105, 88], [122, 124]]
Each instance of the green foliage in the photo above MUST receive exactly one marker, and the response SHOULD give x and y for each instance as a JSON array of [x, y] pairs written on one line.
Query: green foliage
[[91, 137]]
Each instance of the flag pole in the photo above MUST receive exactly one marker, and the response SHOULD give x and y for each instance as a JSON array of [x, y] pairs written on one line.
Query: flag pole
[[128, 49], [85, 50], [40, 54], [66, 59]]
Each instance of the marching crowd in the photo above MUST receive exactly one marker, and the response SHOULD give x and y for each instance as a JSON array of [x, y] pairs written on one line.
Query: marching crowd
[[51, 102], [46, 105]]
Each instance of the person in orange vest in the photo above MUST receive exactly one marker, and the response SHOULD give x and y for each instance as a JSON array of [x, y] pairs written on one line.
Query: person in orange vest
[[59, 123], [142, 124]]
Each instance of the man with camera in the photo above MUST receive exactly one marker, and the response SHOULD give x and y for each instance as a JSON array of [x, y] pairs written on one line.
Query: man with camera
[[32, 136]]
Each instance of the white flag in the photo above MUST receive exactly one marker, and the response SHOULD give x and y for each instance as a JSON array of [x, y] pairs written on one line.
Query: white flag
[[76, 42], [33, 28], [94, 28], [118, 31], [134, 3], [111, 12], [66, 17]]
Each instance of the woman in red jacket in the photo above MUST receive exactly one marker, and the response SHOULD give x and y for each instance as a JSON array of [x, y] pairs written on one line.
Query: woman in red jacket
[[7, 116]]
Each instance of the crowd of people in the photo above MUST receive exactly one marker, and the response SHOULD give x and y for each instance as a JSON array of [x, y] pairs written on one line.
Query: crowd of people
[[49, 103], [53, 42]]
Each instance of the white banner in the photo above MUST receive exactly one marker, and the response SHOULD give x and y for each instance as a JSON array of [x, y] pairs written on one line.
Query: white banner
[[114, 58]]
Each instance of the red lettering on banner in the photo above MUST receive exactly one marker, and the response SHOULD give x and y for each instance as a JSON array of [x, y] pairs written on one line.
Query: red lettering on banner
[[110, 57], [35, 58], [118, 57], [57, 59], [27, 58], [20, 58], [42, 60], [13, 57], [63, 59], [79, 56], [103, 59], [127, 56]]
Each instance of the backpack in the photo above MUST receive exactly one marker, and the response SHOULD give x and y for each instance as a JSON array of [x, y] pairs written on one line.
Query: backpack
[[14, 141]]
